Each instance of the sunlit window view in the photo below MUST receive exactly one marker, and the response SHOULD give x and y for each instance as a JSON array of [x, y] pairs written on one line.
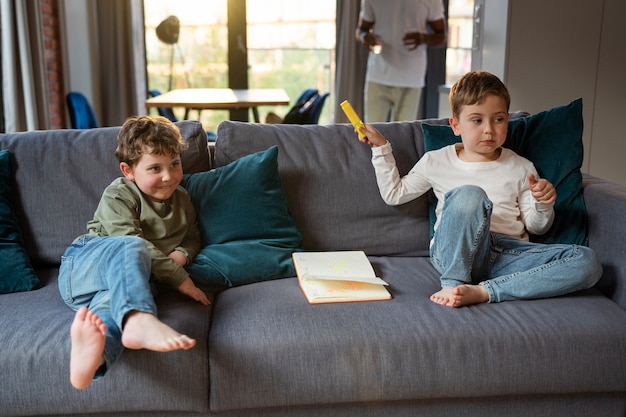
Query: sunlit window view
[[459, 52], [290, 44]]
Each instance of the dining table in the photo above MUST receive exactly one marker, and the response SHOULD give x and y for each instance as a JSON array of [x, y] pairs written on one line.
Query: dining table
[[221, 99]]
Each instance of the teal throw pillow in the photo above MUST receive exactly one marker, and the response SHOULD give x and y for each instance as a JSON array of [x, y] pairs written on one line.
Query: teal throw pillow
[[16, 272], [247, 231], [552, 140]]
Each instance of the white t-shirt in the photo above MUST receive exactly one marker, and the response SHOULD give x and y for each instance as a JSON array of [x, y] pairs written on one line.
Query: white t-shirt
[[505, 181], [396, 65]]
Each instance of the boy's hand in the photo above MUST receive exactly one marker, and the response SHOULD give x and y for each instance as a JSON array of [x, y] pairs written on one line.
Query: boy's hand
[[542, 190], [189, 288], [178, 257], [372, 136]]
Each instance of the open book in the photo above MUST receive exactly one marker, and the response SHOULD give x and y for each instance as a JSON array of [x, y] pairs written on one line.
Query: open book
[[333, 277]]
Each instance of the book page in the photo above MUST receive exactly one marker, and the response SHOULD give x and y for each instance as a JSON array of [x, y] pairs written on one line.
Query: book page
[[342, 265], [331, 291]]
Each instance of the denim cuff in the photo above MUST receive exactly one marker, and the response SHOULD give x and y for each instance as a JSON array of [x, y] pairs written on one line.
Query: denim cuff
[[487, 286]]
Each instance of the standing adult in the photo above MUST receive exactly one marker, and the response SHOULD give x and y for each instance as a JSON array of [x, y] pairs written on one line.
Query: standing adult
[[398, 33]]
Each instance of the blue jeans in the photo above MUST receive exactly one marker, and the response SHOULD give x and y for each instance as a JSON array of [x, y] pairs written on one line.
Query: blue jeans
[[464, 251], [111, 276]]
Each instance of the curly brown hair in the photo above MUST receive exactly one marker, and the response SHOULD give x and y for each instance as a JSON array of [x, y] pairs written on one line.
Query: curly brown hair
[[472, 89], [141, 135]]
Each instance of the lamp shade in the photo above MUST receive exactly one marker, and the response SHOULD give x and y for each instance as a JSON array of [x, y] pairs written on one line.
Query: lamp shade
[[167, 31]]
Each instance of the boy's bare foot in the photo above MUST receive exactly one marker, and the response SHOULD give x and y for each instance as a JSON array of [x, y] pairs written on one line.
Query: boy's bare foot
[[146, 331], [462, 295], [88, 334]]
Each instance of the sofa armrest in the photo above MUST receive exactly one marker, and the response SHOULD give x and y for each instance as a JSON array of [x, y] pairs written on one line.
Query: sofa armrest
[[606, 209]]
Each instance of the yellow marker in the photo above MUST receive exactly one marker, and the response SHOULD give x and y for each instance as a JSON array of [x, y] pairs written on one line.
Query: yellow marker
[[352, 116]]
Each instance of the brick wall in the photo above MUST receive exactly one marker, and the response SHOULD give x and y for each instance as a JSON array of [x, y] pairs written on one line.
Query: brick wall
[[52, 57]]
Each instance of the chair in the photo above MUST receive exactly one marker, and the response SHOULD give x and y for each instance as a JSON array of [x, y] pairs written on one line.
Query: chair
[[307, 113], [81, 112], [306, 95], [316, 108], [292, 115]]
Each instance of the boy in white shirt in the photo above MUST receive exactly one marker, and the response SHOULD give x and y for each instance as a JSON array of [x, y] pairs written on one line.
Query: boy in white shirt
[[489, 198]]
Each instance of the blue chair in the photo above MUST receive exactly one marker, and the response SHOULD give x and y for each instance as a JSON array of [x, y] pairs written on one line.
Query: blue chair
[[307, 112], [81, 112], [294, 115], [306, 95], [316, 108]]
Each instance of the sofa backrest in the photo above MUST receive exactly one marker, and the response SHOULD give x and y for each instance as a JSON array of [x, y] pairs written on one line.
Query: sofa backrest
[[59, 176], [330, 184]]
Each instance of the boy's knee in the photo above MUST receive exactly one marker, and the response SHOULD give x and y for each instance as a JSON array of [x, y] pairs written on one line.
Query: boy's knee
[[467, 192], [593, 267], [136, 248], [467, 197], [133, 244], [131, 241]]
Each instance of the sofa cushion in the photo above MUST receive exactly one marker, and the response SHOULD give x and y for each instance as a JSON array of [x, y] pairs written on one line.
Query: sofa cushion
[[16, 273], [605, 202], [35, 356], [552, 140], [59, 176], [285, 352], [247, 232], [330, 184]]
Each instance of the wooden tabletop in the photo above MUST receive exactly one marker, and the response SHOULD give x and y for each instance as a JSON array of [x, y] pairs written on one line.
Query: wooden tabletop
[[220, 98]]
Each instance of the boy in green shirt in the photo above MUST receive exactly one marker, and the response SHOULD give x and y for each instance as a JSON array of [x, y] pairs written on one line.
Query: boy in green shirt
[[144, 227]]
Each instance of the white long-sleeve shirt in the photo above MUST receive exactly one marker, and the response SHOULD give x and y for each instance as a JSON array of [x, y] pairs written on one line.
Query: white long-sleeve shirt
[[505, 180]]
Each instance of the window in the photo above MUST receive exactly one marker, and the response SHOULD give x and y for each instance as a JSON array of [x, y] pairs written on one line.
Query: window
[[459, 52], [291, 44], [288, 44]]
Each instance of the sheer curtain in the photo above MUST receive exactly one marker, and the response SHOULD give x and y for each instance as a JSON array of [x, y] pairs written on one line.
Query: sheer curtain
[[23, 69], [351, 58]]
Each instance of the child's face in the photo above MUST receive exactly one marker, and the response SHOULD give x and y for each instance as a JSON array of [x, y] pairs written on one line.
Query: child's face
[[157, 176], [482, 128]]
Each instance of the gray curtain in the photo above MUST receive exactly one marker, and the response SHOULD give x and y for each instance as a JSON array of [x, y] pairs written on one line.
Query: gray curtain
[[122, 65], [23, 70], [351, 59], [114, 57]]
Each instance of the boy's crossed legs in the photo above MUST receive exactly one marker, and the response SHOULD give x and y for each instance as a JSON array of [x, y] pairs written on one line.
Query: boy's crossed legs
[[106, 280], [511, 269], [462, 246]]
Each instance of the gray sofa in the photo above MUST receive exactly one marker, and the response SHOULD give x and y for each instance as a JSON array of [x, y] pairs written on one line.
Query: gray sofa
[[264, 351]]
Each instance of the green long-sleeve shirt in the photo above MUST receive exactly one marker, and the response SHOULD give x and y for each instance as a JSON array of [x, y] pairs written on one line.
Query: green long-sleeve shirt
[[166, 226]]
